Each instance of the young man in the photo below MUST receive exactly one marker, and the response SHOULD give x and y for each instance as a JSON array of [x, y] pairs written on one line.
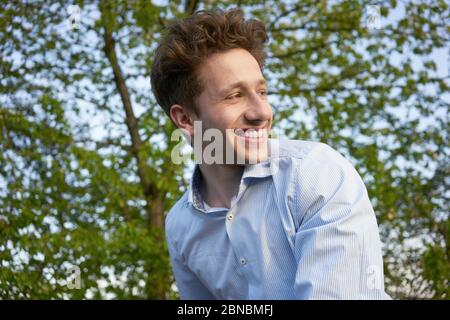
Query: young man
[[298, 223]]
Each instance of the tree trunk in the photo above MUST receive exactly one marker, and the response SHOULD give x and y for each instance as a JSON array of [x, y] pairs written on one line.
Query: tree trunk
[[154, 205]]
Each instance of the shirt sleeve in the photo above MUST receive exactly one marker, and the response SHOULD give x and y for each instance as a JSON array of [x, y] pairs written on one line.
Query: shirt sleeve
[[188, 284], [337, 245]]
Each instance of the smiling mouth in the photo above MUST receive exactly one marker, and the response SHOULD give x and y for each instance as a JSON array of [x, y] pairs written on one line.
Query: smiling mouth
[[249, 133]]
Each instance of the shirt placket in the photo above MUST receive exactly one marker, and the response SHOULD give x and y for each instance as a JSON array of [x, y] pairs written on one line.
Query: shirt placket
[[230, 220]]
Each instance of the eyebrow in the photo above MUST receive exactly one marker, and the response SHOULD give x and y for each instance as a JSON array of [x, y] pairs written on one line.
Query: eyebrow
[[240, 84]]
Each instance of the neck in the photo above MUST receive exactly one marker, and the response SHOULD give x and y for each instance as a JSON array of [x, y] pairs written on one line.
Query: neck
[[220, 182]]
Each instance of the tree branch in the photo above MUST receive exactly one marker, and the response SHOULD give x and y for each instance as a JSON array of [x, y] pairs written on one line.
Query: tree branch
[[190, 6], [155, 213]]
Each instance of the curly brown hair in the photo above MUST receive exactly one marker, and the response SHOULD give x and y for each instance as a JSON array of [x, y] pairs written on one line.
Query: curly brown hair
[[189, 42]]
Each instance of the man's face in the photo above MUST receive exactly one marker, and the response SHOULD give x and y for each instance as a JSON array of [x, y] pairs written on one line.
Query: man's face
[[235, 97]]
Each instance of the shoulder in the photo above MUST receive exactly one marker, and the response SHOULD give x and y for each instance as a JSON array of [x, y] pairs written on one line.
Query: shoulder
[[313, 176], [310, 165], [306, 153], [176, 216], [299, 149]]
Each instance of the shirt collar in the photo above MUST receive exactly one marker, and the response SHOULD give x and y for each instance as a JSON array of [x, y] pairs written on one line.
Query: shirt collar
[[258, 170], [194, 196]]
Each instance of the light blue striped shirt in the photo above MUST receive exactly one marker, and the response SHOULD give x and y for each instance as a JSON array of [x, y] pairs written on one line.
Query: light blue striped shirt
[[300, 227]]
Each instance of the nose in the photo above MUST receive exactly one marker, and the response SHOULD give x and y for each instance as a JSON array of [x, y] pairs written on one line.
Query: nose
[[259, 109]]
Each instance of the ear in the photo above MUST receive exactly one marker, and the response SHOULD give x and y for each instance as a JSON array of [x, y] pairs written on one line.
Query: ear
[[183, 119]]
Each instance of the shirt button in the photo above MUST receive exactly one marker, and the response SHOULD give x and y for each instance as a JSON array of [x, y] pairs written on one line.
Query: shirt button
[[230, 216], [243, 261]]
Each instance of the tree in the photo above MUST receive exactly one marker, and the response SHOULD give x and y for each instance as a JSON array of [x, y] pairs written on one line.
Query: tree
[[85, 176]]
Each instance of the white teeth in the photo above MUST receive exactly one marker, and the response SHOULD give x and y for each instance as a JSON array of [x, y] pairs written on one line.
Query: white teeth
[[250, 133], [240, 132]]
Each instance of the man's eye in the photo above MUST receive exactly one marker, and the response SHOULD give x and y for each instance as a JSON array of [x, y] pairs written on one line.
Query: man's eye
[[234, 96], [263, 92]]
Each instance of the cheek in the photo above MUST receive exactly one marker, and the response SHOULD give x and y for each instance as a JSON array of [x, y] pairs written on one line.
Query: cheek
[[219, 116], [222, 120]]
